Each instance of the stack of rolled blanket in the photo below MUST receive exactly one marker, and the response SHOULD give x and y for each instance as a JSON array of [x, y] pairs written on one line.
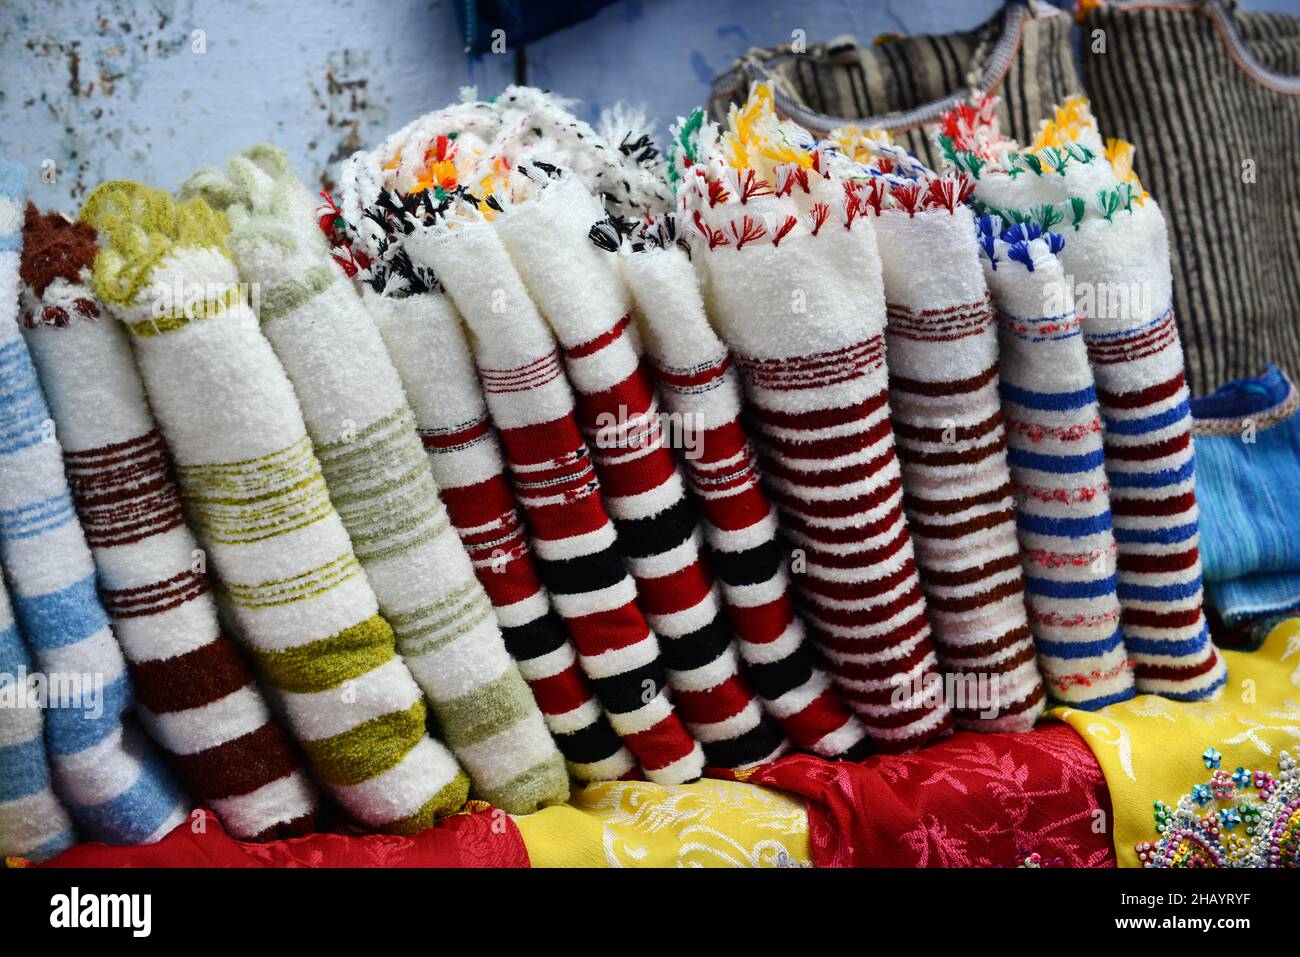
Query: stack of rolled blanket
[[109, 775], [1116, 255], [794, 287], [543, 454], [379, 479], [288, 575], [194, 691]]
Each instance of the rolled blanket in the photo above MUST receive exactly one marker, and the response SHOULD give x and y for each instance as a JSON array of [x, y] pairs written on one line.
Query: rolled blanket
[[556, 485], [532, 407], [943, 380], [1118, 262], [620, 165], [943, 386], [1063, 504], [1138, 364], [698, 382], [427, 342], [795, 290], [251, 482], [33, 824], [107, 773], [425, 339], [379, 480], [580, 291], [193, 689]]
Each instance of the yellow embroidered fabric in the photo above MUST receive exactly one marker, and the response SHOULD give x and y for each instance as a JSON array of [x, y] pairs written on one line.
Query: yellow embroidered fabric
[[638, 824], [1150, 748]]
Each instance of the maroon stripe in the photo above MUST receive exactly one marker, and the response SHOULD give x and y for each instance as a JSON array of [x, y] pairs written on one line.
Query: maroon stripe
[[1031, 700], [1138, 348], [880, 670], [966, 433], [969, 576], [1005, 666], [933, 335], [239, 766], [949, 387], [827, 448], [897, 718], [1148, 451], [818, 418], [1152, 672], [1142, 397], [1148, 564], [1133, 357], [951, 605], [983, 649], [299, 827], [112, 450], [857, 590], [948, 459], [816, 477], [951, 506], [1145, 618], [869, 646], [961, 309], [860, 617], [1144, 507], [814, 360], [191, 680], [866, 558], [155, 598], [837, 508], [1131, 341], [980, 523]]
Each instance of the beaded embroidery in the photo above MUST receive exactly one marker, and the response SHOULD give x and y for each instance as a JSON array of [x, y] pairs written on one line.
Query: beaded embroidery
[[1238, 818]]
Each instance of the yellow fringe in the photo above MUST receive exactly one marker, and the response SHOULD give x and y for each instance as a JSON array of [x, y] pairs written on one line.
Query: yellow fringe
[[1119, 153], [852, 139], [140, 226], [755, 139], [1067, 124]]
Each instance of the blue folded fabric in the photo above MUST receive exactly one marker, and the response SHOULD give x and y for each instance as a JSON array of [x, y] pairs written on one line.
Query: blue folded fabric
[[1247, 437]]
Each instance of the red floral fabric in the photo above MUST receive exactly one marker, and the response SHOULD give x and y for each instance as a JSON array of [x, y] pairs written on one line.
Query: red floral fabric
[[971, 800], [482, 838]]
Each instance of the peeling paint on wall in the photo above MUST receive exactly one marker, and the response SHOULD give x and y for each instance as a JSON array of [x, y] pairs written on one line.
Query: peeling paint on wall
[[152, 91], [349, 105], [80, 68]]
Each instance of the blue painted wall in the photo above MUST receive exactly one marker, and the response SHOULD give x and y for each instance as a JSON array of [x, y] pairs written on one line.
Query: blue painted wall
[[111, 88]]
